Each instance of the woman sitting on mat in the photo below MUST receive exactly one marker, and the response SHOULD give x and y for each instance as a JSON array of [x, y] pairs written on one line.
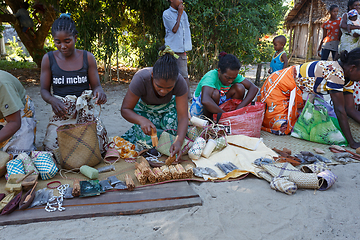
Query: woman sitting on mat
[[319, 77], [71, 72], [157, 101], [17, 116], [219, 85]]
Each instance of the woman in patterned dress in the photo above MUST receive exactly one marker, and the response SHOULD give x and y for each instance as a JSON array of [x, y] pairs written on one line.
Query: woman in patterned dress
[[284, 88]]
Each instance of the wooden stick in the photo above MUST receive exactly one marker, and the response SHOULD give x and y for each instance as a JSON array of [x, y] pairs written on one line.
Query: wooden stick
[[154, 138], [175, 174], [152, 177], [140, 177], [28, 174], [189, 170], [159, 174], [165, 170], [181, 170], [170, 160], [129, 182]]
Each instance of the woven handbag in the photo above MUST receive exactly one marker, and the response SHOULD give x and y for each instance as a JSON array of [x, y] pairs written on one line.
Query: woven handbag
[[166, 140], [78, 145], [46, 166]]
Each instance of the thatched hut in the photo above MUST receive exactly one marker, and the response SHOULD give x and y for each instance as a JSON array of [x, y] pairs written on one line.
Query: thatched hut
[[304, 22]]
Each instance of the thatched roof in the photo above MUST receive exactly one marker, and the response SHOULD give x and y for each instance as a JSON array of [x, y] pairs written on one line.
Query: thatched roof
[[299, 15]]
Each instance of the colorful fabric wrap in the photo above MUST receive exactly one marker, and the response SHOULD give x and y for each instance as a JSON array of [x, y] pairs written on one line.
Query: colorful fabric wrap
[[163, 116], [169, 51], [46, 166], [126, 149], [196, 107]]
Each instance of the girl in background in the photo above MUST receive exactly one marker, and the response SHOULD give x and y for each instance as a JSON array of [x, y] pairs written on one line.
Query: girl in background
[[332, 34]]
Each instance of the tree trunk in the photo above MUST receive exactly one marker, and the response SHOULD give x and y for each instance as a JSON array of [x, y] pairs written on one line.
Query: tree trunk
[[34, 43]]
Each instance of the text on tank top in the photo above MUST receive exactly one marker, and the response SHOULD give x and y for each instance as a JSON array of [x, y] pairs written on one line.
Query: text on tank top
[[69, 82]]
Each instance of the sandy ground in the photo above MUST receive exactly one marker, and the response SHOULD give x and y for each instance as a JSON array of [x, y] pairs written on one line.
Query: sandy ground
[[245, 209]]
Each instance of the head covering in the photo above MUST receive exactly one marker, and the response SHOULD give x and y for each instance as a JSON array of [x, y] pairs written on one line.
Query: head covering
[[168, 50], [353, 13]]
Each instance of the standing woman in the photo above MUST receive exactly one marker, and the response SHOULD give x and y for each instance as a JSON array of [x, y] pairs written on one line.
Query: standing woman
[[319, 77], [71, 73], [331, 33], [157, 101]]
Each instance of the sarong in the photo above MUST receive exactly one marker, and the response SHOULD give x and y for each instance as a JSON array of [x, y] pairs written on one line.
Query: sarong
[[163, 116], [283, 99], [79, 110], [196, 107], [24, 139]]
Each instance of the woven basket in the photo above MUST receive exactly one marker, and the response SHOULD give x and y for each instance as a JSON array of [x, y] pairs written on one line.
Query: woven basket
[[283, 185], [317, 167], [280, 169], [305, 180], [4, 158], [78, 145]]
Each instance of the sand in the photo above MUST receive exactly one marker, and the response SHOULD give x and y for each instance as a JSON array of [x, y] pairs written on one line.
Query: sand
[[245, 209]]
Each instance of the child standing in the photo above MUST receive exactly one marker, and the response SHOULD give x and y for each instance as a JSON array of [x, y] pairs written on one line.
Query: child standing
[[332, 34], [279, 60]]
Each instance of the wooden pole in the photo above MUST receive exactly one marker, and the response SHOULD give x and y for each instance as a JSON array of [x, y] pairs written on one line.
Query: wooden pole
[[309, 40]]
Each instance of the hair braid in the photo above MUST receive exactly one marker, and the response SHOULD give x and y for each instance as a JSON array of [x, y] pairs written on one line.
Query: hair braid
[[64, 23]]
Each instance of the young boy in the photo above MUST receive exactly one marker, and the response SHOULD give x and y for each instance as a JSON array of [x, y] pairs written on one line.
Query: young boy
[[178, 36], [279, 60]]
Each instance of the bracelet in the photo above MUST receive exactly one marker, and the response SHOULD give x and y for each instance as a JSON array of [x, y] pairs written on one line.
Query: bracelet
[[48, 185]]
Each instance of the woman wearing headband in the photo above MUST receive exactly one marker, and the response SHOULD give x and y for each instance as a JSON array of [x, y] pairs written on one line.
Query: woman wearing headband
[[157, 101]]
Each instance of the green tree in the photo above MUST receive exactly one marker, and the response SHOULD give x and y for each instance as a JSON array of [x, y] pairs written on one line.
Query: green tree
[[34, 43]]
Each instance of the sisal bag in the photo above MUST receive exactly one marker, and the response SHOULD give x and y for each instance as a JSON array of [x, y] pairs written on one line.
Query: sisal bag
[[78, 144], [305, 180], [197, 148], [283, 185], [15, 166], [166, 140], [27, 163], [4, 158], [46, 166]]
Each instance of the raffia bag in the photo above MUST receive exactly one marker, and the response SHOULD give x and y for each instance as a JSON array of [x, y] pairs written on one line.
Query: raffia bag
[[78, 145]]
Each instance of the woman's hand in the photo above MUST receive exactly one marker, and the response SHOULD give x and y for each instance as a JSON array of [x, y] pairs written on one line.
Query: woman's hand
[[58, 107], [100, 96], [176, 149], [147, 126]]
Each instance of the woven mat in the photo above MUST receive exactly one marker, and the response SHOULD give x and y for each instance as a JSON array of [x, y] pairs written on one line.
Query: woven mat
[[296, 145], [121, 168]]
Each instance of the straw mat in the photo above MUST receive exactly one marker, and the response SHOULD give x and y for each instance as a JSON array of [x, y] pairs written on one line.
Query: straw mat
[[296, 145]]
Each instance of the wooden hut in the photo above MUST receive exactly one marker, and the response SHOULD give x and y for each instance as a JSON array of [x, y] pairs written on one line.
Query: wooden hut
[[304, 22]]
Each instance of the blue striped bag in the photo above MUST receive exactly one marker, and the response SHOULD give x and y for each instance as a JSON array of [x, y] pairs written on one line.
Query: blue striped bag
[[15, 166], [46, 166]]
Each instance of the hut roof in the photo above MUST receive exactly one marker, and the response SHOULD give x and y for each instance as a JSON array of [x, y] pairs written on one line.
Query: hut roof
[[299, 15]]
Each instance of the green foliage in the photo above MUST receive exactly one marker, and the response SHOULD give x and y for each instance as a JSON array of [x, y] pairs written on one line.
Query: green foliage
[[16, 51], [10, 65], [234, 26]]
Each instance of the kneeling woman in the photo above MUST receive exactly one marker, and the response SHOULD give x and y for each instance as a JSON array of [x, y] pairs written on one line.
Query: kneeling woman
[[284, 88], [157, 100]]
